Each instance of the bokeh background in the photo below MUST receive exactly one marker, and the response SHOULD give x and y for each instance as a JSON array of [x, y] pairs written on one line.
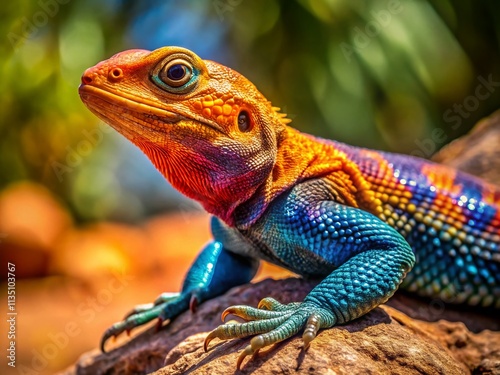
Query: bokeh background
[[90, 225]]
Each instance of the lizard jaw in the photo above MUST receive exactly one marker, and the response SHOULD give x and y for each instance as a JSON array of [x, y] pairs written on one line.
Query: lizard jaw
[[111, 107], [87, 92]]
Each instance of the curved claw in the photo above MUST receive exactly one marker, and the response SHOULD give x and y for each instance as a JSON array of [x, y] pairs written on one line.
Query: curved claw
[[256, 344], [104, 338], [253, 348], [159, 323], [310, 331], [224, 332], [115, 330], [208, 339], [193, 303], [112, 331]]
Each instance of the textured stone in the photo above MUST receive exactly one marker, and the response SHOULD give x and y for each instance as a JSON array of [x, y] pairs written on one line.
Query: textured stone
[[477, 152], [385, 341]]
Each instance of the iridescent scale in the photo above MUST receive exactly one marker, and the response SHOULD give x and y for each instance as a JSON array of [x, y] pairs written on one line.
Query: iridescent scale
[[450, 220]]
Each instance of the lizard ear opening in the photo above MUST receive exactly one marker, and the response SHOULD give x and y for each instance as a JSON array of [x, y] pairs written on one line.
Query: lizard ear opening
[[175, 74], [244, 122]]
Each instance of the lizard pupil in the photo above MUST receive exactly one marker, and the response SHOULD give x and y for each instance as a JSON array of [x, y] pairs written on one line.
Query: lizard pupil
[[244, 121], [176, 72]]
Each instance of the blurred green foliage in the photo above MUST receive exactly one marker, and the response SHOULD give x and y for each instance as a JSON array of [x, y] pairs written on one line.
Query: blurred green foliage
[[381, 74]]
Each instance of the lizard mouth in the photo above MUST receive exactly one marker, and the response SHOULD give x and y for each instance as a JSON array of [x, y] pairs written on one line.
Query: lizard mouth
[[89, 94], [141, 109]]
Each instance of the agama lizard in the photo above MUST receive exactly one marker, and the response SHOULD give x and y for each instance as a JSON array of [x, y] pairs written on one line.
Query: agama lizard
[[359, 220]]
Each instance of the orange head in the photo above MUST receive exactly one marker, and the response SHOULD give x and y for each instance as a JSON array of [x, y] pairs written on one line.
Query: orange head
[[206, 128]]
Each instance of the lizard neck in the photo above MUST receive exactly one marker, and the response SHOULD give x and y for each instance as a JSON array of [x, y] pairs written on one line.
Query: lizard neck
[[299, 157], [302, 157]]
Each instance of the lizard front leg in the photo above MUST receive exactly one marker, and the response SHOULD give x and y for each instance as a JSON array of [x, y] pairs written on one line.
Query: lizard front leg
[[368, 260], [214, 271]]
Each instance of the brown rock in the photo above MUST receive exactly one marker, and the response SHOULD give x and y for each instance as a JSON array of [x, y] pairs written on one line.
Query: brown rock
[[31, 223], [382, 342], [477, 152], [385, 341]]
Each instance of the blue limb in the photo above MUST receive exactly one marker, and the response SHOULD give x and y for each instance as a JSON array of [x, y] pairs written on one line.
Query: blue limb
[[367, 260], [214, 271]]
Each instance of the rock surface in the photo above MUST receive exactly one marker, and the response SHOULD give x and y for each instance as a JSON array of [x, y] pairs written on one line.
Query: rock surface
[[385, 341], [477, 152], [407, 336]]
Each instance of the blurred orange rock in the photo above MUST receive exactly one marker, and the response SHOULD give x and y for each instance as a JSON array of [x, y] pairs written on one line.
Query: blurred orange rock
[[96, 251], [161, 249], [30, 213], [31, 221], [175, 240]]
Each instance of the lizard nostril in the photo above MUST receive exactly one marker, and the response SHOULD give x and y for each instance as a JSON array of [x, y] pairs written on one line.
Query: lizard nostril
[[115, 74], [86, 79]]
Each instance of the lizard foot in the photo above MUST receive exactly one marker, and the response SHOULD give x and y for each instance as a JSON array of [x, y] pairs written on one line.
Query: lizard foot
[[272, 322], [166, 306]]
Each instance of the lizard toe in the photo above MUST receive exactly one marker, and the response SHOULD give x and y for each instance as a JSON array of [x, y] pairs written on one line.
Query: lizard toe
[[161, 299], [272, 326], [249, 313], [138, 309]]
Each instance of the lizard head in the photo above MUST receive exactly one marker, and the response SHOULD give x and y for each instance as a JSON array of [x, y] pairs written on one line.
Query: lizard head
[[206, 128]]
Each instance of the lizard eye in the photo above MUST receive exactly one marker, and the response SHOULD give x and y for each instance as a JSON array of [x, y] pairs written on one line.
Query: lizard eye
[[244, 121], [176, 73]]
